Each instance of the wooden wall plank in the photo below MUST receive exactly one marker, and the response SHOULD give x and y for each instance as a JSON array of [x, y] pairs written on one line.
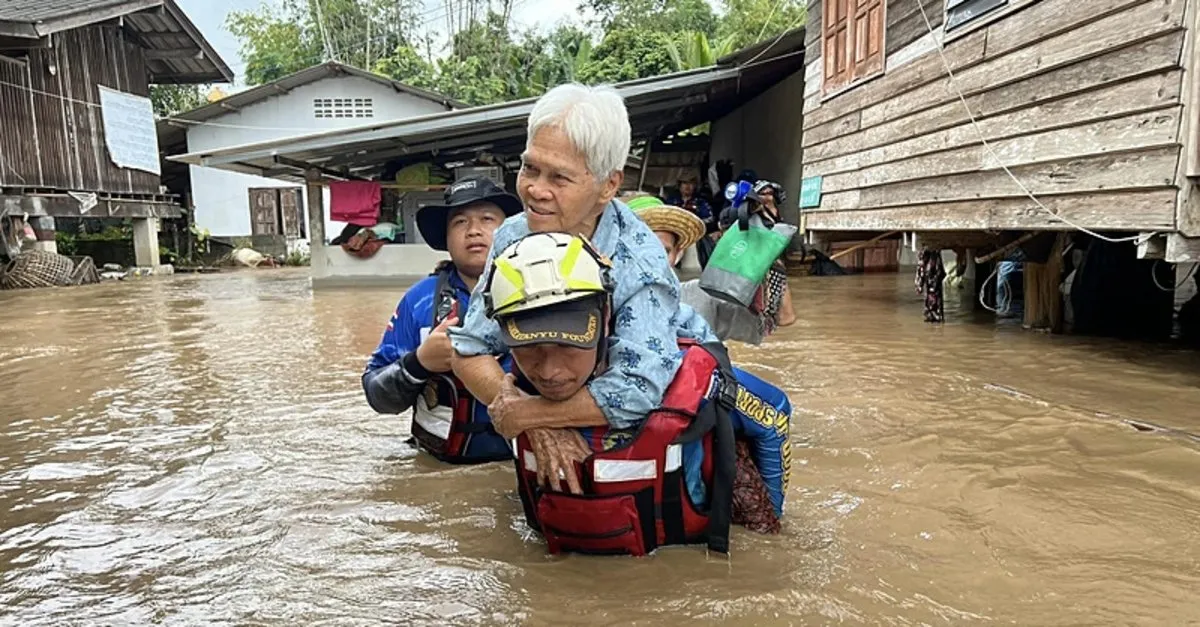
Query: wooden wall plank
[[1140, 130], [1188, 207], [16, 136], [1037, 22], [813, 32], [1126, 210], [966, 51], [1142, 94], [1142, 22], [906, 24], [842, 126], [1142, 169]]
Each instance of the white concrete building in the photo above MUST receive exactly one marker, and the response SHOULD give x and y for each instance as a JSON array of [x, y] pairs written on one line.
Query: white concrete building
[[322, 98]]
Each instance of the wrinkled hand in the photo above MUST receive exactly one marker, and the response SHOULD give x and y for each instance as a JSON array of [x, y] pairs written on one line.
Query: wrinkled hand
[[557, 451], [506, 409], [436, 351]]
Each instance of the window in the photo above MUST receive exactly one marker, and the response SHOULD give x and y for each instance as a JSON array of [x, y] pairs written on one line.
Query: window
[[343, 108], [959, 12], [852, 45]]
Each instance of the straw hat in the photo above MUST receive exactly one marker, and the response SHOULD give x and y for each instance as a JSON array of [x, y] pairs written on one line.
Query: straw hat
[[686, 227]]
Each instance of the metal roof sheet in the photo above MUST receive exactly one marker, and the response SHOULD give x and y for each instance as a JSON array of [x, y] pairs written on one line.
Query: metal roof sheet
[[656, 106], [176, 51]]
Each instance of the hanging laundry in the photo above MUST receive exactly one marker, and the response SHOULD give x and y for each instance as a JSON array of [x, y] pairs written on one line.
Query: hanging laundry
[[930, 274], [356, 202]]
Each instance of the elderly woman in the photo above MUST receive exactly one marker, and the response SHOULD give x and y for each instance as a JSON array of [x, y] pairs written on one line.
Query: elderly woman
[[571, 172]]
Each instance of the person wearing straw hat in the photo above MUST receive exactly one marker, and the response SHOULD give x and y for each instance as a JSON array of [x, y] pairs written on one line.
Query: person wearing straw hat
[[679, 229]]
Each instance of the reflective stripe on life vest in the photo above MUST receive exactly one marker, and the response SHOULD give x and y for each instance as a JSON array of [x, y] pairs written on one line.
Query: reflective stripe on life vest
[[444, 416], [636, 497]]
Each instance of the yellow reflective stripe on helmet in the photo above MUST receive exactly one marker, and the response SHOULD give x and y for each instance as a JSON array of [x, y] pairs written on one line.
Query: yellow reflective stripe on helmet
[[514, 277], [567, 265]]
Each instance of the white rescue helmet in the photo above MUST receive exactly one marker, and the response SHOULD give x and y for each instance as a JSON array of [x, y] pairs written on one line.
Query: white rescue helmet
[[549, 288], [545, 269]]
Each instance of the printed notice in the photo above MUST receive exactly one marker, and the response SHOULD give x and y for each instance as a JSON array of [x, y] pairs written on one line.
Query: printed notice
[[129, 130]]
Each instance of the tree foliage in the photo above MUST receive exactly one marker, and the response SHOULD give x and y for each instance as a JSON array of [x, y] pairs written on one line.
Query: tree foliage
[[486, 58], [749, 21], [168, 100]]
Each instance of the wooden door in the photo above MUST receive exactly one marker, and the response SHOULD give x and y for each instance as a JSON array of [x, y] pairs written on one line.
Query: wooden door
[[264, 211], [291, 212]]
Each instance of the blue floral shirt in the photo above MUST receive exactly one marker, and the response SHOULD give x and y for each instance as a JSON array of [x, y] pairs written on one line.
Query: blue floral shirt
[[649, 316]]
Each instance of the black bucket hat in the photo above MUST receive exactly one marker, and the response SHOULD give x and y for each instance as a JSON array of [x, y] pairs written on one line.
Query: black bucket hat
[[432, 219]]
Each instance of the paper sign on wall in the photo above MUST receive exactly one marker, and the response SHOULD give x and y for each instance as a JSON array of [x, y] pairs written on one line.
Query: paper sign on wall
[[810, 192], [129, 130]]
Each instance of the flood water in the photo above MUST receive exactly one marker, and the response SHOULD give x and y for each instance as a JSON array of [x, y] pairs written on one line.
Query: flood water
[[196, 450]]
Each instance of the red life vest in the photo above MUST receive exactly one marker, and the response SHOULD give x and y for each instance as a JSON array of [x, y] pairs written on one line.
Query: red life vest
[[635, 496], [444, 416]]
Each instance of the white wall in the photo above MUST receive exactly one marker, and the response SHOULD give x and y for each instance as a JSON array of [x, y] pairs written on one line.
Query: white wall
[[334, 266], [222, 198]]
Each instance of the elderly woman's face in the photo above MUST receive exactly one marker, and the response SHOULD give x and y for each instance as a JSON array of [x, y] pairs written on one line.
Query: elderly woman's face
[[559, 192]]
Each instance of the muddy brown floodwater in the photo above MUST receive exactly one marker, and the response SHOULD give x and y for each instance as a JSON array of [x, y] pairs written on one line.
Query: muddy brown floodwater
[[197, 451]]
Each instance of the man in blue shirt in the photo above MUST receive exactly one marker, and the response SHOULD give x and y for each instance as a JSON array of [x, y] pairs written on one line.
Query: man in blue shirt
[[411, 366], [571, 171]]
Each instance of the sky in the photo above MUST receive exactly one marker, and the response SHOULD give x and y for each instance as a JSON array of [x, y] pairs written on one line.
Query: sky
[[209, 17]]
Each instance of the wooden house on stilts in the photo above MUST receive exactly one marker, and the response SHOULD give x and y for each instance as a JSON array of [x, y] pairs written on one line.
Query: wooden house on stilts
[[969, 123]]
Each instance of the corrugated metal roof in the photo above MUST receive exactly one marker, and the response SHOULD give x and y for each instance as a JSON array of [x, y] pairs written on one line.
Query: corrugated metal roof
[[174, 134], [657, 106], [176, 50], [39, 10], [306, 76]]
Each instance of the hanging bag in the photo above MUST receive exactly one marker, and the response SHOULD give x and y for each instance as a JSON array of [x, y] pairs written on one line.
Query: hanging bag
[[744, 254]]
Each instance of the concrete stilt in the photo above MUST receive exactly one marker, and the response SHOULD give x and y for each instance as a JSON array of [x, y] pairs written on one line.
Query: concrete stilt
[[145, 242], [316, 225]]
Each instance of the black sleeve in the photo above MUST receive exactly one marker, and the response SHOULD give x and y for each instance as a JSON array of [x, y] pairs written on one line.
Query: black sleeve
[[395, 387]]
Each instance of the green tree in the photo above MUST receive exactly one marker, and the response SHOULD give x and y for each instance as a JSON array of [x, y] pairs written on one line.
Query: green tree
[[303, 33], [748, 22], [628, 54], [273, 45], [694, 50], [406, 65], [664, 16], [168, 100]]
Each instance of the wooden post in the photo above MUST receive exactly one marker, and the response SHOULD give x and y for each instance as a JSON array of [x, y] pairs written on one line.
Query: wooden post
[[316, 222], [645, 165], [1043, 300]]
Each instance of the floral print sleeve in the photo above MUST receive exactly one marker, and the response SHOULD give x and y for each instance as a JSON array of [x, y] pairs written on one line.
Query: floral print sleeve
[[643, 356]]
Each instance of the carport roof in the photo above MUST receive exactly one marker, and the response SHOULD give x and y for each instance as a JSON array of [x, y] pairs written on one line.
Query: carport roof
[[657, 106]]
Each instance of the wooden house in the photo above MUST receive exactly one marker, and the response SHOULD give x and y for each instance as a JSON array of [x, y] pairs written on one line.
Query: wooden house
[[946, 118], [77, 138]]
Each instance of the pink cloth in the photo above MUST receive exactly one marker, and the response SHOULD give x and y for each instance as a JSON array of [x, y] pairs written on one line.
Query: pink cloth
[[356, 202]]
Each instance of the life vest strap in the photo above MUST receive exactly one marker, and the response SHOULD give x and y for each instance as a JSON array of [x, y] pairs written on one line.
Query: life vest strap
[[724, 450]]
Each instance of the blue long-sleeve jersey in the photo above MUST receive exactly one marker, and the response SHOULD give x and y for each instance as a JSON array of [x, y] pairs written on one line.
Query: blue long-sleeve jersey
[[394, 378]]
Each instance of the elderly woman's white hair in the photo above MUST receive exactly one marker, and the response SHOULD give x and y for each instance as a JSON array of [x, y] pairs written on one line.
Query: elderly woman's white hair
[[594, 119]]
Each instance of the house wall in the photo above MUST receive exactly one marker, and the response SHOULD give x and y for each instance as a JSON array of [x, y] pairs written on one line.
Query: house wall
[[1080, 99], [764, 135], [51, 128], [222, 198]]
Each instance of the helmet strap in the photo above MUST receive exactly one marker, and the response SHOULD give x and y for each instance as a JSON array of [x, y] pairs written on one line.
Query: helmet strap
[[605, 330]]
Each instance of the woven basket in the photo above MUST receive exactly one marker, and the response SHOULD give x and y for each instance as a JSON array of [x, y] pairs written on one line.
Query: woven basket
[[38, 268]]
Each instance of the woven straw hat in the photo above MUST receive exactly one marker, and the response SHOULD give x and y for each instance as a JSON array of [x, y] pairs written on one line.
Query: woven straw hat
[[688, 228]]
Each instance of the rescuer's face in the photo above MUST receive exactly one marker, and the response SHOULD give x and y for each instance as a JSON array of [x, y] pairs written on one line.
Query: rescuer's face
[[469, 236], [557, 371]]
